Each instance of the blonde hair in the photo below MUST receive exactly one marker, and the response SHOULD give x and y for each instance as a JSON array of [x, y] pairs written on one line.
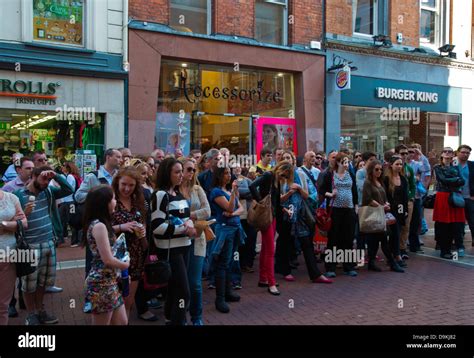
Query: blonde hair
[[194, 181], [281, 167]]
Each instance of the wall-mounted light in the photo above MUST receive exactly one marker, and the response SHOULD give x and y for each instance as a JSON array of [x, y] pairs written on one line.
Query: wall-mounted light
[[448, 48], [382, 41]]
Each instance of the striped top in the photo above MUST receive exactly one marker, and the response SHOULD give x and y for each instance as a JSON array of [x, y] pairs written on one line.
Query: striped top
[[162, 227], [40, 228]]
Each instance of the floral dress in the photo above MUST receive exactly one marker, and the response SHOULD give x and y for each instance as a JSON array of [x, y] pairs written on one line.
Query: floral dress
[[101, 286], [134, 244]]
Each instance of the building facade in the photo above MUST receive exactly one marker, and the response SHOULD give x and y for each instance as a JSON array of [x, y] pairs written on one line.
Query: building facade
[[240, 75], [63, 72], [402, 89]]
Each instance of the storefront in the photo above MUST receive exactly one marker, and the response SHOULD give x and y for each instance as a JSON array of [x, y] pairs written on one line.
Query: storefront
[[222, 108], [47, 112], [393, 101], [187, 92]]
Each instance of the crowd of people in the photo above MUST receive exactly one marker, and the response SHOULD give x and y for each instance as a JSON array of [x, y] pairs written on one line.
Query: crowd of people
[[158, 202]]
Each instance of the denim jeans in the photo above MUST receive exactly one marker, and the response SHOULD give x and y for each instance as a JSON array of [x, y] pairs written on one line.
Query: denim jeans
[[225, 257], [235, 267], [195, 266]]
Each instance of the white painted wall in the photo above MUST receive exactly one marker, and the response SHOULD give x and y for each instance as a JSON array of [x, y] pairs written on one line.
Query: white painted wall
[[461, 27], [103, 28]]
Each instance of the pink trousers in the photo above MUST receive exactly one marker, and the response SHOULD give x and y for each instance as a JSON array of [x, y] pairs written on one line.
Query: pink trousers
[[267, 255]]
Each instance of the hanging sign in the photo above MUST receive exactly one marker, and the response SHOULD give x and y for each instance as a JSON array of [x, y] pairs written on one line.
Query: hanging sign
[[343, 79]]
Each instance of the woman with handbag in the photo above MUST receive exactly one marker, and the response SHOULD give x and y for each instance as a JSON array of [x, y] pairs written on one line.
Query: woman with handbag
[[200, 210], [229, 235], [129, 218], [173, 229], [373, 195], [343, 215], [396, 188], [448, 212], [101, 285], [10, 212]]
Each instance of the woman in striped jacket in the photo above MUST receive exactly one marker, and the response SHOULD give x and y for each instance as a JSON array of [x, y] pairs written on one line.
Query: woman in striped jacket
[[173, 229]]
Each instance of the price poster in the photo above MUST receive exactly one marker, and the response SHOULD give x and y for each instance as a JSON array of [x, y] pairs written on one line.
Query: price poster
[[58, 21]]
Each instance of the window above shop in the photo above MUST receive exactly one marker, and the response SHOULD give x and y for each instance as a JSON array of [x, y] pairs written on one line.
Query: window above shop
[[191, 16], [58, 22], [271, 21], [433, 23], [365, 17]]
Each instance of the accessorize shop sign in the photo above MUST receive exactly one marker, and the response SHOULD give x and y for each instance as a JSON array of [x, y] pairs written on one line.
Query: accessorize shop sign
[[30, 92], [258, 94]]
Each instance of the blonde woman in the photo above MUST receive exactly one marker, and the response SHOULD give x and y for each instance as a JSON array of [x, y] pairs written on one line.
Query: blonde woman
[[200, 210]]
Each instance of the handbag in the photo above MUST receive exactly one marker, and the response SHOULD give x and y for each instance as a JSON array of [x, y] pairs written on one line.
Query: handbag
[[390, 219], [429, 201], [23, 268], [157, 273], [203, 226], [323, 215], [456, 200], [372, 219], [260, 214], [308, 215]]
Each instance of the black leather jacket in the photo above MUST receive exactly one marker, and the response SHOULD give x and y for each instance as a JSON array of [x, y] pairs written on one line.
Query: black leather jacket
[[448, 178]]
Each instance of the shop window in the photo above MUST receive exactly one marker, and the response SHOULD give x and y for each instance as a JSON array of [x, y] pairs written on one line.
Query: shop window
[[59, 21], [432, 20], [444, 130], [365, 17], [201, 106], [191, 16], [270, 21]]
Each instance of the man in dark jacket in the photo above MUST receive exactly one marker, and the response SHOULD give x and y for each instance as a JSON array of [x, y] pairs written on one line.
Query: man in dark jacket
[[466, 168]]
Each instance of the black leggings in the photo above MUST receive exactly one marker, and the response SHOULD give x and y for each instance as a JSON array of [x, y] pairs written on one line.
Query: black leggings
[[394, 239], [446, 233], [373, 241], [177, 297], [283, 249], [341, 235]]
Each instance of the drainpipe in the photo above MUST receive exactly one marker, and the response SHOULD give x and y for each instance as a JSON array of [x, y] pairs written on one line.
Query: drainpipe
[[126, 67], [325, 74]]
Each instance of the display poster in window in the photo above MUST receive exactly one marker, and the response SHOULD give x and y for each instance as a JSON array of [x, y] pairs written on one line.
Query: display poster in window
[[172, 132], [58, 21], [274, 133]]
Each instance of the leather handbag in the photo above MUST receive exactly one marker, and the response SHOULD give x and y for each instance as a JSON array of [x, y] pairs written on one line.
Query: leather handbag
[[260, 214], [429, 201], [456, 200], [23, 268], [372, 219], [157, 273]]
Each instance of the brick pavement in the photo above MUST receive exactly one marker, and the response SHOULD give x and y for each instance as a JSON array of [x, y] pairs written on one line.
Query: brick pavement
[[433, 292]]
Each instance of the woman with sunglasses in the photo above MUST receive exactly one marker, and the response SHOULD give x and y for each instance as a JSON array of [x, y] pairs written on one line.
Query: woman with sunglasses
[[396, 188], [449, 220], [200, 210], [373, 194]]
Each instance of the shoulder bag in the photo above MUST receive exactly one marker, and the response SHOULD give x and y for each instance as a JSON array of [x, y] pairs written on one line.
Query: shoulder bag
[[323, 215], [456, 200], [157, 273], [372, 219], [23, 268], [260, 214]]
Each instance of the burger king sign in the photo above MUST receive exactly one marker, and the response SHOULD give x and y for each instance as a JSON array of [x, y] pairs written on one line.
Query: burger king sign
[[343, 79]]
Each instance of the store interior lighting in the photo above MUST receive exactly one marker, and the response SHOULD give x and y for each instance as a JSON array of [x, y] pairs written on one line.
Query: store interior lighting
[[32, 122]]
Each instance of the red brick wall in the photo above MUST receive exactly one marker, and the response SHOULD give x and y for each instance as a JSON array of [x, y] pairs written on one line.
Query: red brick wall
[[234, 17], [339, 17], [149, 10], [305, 21], [405, 18]]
